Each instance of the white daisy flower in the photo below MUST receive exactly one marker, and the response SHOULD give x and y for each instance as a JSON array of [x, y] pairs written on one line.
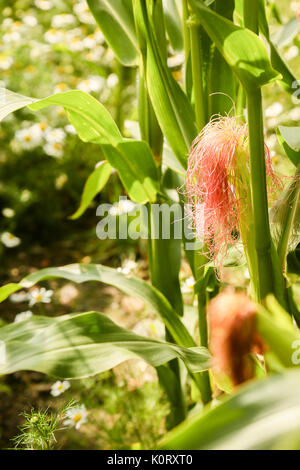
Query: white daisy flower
[[62, 20], [54, 149], [128, 266], [8, 212], [188, 285], [92, 83], [11, 36], [59, 387], [70, 129], [5, 62], [74, 43], [55, 136], [291, 53], [76, 416], [274, 110], [294, 114], [112, 80], [122, 207], [40, 296], [82, 11], [54, 36], [60, 87], [23, 316], [29, 138], [30, 20], [89, 41], [10, 240], [43, 4], [19, 297]]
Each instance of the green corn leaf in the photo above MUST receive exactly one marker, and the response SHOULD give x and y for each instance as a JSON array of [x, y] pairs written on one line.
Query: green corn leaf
[[259, 417], [174, 20], [135, 163], [91, 120], [171, 105], [241, 48], [84, 344], [286, 33], [115, 19], [132, 159], [133, 286], [289, 138], [94, 184]]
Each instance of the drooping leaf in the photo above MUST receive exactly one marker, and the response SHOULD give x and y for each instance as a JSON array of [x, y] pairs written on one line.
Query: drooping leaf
[[135, 163], [91, 120], [85, 344], [132, 159], [94, 184], [133, 286], [115, 19], [258, 417], [241, 48], [289, 137]]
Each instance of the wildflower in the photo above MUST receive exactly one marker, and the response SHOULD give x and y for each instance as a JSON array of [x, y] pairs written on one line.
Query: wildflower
[[19, 297], [76, 416], [218, 184], [30, 20], [74, 43], [29, 138], [8, 212], [274, 110], [11, 36], [54, 149], [122, 207], [62, 20], [291, 53], [40, 296], [5, 62], [43, 4], [10, 240], [92, 83], [82, 11], [54, 36], [59, 387], [60, 87], [54, 136], [233, 335], [128, 267], [187, 286], [70, 129], [112, 80], [294, 114], [23, 316], [89, 41]]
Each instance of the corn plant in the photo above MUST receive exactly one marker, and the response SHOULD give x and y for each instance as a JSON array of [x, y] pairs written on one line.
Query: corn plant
[[202, 144]]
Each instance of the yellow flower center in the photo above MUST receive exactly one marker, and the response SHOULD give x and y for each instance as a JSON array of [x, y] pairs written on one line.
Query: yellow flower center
[[27, 138], [39, 297], [77, 417], [60, 387]]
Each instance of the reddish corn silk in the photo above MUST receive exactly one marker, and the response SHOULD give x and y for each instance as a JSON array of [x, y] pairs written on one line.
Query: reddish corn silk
[[233, 335], [218, 182]]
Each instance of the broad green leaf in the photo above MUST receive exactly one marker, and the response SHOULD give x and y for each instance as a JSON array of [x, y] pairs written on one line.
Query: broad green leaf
[[133, 286], [287, 78], [171, 105], [133, 160], [174, 20], [135, 163], [241, 48], [91, 120], [94, 184], [85, 344], [115, 19], [256, 418]]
